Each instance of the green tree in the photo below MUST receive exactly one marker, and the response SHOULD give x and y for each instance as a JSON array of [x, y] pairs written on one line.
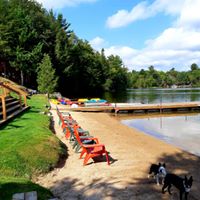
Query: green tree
[[194, 75], [4, 35], [19, 31], [171, 78], [183, 78], [47, 80], [194, 67], [62, 39], [118, 74]]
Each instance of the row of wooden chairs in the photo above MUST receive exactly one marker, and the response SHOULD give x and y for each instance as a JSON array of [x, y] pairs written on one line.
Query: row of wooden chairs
[[80, 139]]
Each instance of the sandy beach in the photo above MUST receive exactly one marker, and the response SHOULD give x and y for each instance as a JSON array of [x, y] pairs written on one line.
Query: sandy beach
[[131, 153]]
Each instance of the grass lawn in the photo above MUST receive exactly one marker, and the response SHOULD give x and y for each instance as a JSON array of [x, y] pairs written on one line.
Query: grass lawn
[[27, 148]]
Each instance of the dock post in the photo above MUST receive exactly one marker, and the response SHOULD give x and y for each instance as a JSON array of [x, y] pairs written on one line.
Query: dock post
[[116, 109], [161, 105]]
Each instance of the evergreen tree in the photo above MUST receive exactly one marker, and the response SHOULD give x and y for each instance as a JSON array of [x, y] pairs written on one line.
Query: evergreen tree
[[46, 79]]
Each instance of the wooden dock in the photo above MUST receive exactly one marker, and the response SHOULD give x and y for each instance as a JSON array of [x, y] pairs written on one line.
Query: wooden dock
[[137, 107]]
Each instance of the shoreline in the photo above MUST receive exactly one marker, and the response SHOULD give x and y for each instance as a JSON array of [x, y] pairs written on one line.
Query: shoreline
[[174, 132], [131, 153]]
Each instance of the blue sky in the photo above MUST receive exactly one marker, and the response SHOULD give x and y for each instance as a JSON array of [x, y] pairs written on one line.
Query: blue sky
[[162, 33]]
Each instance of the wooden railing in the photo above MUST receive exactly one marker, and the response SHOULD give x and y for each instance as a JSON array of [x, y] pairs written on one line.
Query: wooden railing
[[6, 89], [3, 107]]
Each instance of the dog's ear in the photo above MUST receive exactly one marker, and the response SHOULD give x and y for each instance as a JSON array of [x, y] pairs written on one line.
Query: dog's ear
[[164, 165], [186, 178], [191, 178], [159, 164]]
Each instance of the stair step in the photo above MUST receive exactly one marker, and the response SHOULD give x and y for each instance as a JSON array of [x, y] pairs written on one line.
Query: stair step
[[14, 114], [10, 99], [12, 109], [10, 104]]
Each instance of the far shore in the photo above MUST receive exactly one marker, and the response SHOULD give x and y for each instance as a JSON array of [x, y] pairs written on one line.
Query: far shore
[[131, 153]]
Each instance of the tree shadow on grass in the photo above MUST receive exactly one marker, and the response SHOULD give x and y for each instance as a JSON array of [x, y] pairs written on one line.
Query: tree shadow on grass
[[11, 186], [11, 126], [64, 156], [20, 116], [11, 120], [137, 189], [52, 125]]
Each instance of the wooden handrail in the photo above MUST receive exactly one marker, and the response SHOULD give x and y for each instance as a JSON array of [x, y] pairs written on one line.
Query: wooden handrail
[[15, 89], [3, 107], [10, 87]]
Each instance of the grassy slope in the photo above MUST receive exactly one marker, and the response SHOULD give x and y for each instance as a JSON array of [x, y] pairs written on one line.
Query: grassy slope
[[27, 147]]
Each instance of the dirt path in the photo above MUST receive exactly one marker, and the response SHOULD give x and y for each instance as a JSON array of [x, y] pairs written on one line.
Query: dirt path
[[131, 153]]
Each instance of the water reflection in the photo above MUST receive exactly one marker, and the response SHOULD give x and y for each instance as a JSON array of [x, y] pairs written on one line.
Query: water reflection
[[182, 130], [155, 95]]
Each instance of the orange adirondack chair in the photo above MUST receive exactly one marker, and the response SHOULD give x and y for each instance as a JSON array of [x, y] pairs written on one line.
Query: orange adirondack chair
[[91, 150], [67, 120], [69, 131], [82, 139]]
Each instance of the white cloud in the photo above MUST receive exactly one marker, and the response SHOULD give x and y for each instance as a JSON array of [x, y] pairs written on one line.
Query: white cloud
[[177, 46], [97, 43], [179, 50], [190, 17], [160, 59], [171, 7], [176, 38], [144, 11], [164, 59], [123, 17], [124, 51], [58, 4]]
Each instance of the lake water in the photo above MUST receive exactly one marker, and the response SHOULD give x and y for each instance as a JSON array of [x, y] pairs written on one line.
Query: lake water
[[181, 130], [156, 95]]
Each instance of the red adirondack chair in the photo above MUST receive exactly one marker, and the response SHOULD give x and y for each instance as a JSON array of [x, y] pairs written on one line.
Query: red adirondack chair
[[91, 150]]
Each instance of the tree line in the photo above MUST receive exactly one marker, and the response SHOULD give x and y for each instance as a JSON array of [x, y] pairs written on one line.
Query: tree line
[[31, 37], [39, 50], [154, 78]]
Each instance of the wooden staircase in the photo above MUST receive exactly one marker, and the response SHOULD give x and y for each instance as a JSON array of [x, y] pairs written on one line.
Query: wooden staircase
[[11, 106]]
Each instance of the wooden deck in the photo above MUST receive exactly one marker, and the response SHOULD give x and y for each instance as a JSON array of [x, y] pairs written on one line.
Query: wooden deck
[[137, 107]]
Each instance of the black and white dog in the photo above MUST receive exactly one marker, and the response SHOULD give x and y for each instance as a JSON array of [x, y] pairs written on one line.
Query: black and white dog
[[182, 184], [158, 171]]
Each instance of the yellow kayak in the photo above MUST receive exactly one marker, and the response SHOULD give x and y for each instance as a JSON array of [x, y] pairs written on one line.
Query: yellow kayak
[[54, 101], [82, 100]]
